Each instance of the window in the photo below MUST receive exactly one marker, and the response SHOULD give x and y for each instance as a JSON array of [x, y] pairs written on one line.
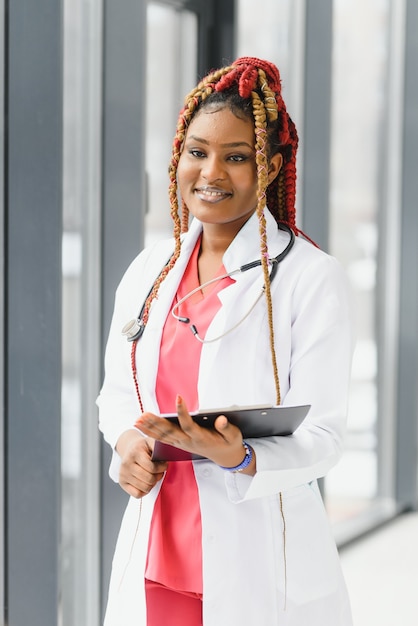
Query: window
[[171, 73], [282, 42], [80, 312], [357, 219]]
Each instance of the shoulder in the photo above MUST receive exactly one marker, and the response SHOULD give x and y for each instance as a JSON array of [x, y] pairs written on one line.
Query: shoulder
[[322, 288], [314, 275], [146, 266], [154, 257], [308, 259]]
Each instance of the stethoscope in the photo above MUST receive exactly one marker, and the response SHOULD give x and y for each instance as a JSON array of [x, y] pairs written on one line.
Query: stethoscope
[[134, 329]]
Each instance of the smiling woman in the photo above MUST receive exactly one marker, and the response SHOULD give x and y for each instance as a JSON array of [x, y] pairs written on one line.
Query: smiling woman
[[217, 172], [184, 549]]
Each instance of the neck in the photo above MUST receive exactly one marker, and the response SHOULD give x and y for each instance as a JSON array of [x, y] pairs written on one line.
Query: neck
[[216, 238], [212, 244], [212, 248]]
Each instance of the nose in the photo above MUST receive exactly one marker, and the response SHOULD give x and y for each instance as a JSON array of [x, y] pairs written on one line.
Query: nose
[[213, 169]]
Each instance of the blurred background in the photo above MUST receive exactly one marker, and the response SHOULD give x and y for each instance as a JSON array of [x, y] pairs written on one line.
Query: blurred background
[[91, 90]]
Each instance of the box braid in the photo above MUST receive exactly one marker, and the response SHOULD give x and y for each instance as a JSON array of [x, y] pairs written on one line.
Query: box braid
[[251, 88]]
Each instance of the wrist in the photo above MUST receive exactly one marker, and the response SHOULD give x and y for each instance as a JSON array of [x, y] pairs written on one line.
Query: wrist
[[126, 439], [248, 457]]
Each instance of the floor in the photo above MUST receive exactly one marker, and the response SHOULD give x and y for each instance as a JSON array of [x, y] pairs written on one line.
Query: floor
[[381, 572]]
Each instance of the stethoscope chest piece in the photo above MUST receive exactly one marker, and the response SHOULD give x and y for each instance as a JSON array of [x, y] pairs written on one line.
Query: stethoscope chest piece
[[133, 329]]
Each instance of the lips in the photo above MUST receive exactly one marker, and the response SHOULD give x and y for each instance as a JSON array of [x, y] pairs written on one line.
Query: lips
[[211, 194]]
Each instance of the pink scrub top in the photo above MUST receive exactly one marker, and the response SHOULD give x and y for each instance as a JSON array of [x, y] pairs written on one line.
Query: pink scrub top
[[175, 546]]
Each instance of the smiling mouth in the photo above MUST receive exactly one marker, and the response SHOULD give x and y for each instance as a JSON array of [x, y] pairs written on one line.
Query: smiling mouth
[[211, 194]]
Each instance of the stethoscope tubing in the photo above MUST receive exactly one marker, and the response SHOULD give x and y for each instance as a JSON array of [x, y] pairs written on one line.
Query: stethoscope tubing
[[134, 329]]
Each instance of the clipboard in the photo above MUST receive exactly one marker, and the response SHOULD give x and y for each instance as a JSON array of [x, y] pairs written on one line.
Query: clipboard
[[253, 421]]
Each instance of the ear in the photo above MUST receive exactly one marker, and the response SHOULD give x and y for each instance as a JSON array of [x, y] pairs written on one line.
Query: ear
[[275, 165]]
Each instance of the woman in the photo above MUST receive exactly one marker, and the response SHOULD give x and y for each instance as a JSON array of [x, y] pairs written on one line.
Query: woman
[[241, 536]]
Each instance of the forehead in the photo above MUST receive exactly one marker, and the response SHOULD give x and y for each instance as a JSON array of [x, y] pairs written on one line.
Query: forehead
[[219, 123]]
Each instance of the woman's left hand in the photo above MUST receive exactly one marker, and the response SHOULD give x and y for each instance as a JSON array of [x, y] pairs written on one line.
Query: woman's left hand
[[222, 445]]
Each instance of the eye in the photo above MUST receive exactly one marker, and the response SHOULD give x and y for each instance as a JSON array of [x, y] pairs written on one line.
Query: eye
[[238, 158], [197, 153]]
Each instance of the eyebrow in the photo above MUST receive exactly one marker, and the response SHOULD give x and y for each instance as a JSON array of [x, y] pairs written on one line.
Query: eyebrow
[[234, 144]]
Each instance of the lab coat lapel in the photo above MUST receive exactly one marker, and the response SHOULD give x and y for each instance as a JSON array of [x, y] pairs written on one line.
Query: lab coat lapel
[[148, 347]]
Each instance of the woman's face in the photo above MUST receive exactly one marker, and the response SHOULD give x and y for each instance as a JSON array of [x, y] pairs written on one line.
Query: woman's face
[[217, 171]]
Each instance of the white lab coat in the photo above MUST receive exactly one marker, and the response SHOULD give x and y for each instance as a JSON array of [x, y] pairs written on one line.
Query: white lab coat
[[259, 568]]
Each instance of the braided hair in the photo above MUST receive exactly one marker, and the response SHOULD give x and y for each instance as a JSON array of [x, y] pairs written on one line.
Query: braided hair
[[251, 88]]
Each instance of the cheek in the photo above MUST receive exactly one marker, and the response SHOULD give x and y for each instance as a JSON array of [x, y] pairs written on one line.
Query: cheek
[[184, 172], [247, 182]]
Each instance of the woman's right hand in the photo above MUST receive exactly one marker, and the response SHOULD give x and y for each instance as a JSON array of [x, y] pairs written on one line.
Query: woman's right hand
[[138, 473]]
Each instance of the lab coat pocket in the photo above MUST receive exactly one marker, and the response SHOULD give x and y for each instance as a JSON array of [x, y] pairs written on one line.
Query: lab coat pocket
[[312, 564]]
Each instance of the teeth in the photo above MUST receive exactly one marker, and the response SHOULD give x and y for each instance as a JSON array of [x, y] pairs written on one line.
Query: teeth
[[211, 193]]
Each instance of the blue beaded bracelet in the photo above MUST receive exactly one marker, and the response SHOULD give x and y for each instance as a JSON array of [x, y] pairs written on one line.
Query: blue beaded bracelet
[[245, 463]]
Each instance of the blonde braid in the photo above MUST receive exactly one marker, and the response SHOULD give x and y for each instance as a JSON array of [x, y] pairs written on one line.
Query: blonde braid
[[259, 111], [269, 101], [184, 217], [181, 225]]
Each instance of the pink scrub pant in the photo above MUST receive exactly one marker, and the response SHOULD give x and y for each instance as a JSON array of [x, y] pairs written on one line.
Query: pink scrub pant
[[167, 607]]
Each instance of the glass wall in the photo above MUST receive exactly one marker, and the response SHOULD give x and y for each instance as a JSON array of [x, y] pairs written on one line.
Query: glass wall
[[278, 39], [166, 86], [80, 312], [360, 71]]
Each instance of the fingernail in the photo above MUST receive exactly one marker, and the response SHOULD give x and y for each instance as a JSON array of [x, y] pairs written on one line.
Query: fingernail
[[179, 400]]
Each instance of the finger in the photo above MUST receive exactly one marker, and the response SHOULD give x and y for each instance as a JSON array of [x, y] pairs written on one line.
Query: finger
[[185, 419], [156, 427], [138, 461], [139, 482], [151, 468], [228, 431], [144, 463], [221, 423], [135, 491], [139, 456], [136, 488]]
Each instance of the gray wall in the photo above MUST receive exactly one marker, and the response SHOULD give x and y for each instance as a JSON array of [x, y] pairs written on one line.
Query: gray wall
[[33, 176]]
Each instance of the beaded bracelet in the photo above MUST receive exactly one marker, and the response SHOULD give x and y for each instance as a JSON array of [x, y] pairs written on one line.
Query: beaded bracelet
[[245, 463]]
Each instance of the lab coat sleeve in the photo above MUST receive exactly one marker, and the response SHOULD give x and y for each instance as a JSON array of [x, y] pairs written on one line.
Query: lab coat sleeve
[[117, 402], [319, 373]]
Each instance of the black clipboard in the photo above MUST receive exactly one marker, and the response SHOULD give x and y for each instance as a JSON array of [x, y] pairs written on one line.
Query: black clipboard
[[254, 422]]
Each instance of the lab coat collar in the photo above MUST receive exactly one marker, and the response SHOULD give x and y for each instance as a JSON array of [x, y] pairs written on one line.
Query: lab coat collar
[[245, 247]]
